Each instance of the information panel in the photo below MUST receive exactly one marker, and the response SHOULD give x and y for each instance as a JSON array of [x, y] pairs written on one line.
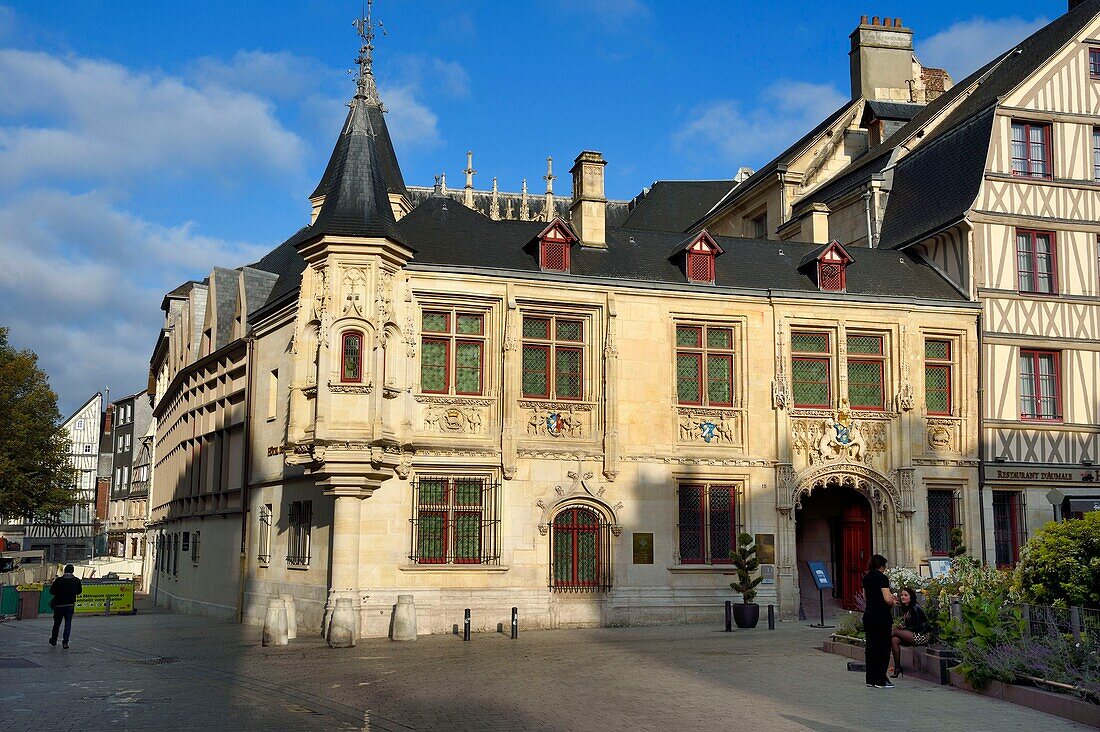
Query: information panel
[[821, 575]]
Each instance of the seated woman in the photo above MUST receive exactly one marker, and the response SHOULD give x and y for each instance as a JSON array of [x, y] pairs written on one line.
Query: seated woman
[[913, 630]]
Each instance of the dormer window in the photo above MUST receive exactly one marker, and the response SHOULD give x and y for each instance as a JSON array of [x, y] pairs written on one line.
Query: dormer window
[[699, 253], [554, 243], [831, 262]]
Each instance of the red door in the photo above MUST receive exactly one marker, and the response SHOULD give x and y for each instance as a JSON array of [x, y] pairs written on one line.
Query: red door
[[855, 551]]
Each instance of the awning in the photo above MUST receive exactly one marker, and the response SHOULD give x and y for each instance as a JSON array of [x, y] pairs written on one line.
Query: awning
[[1082, 505]]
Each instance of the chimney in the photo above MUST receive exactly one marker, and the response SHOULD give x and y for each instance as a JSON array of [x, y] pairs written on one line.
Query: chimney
[[881, 59], [589, 208], [108, 418]]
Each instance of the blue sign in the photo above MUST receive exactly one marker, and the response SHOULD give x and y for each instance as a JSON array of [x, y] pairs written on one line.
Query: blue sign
[[820, 575]]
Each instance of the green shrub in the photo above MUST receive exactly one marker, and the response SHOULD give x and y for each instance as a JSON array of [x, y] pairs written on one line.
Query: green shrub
[[851, 625], [1060, 564], [745, 562]]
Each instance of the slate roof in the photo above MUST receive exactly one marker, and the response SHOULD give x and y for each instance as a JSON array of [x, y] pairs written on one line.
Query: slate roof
[[892, 110], [464, 238], [674, 205]]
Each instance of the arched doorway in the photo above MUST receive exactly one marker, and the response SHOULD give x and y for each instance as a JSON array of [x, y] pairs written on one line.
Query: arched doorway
[[833, 525]]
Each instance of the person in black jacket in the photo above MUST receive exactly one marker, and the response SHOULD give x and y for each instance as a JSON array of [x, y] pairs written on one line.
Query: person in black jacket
[[913, 630], [64, 590], [877, 621]]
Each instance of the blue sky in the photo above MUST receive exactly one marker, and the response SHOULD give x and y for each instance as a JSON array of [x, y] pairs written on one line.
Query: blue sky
[[143, 143]]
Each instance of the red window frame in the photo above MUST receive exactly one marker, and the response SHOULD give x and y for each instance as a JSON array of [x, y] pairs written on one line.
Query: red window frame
[[480, 367], [348, 336], [831, 277], [1008, 537], [1096, 154], [450, 337], [940, 364], [698, 357], [702, 352], [573, 529], [1032, 257], [1035, 415], [814, 357], [1028, 161], [701, 506], [877, 360], [700, 266], [549, 248], [551, 344], [1094, 63], [448, 509]]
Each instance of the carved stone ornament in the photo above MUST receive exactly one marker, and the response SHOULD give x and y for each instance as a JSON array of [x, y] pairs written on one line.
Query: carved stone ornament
[[838, 438], [708, 426], [304, 455], [879, 490], [942, 434], [354, 291], [905, 398], [338, 387], [554, 422], [403, 468], [780, 392], [454, 400], [580, 490], [384, 298], [454, 419]]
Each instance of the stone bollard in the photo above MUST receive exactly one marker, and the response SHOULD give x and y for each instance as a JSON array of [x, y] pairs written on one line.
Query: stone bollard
[[343, 629], [275, 623], [291, 617], [404, 619]]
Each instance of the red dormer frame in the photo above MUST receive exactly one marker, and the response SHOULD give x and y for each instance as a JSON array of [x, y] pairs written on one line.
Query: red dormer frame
[[554, 244], [699, 254], [832, 263]]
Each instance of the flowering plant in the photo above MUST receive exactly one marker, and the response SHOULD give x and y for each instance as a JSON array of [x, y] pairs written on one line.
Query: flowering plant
[[903, 577]]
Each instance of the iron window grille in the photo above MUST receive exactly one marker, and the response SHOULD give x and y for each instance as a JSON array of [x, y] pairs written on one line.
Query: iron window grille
[[811, 369], [1031, 150], [452, 352], [709, 522], [937, 376], [866, 371], [1009, 526], [704, 365], [580, 551], [553, 358], [944, 515], [1040, 386], [301, 523], [263, 556], [454, 520]]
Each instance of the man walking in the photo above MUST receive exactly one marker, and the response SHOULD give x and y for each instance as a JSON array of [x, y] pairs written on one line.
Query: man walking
[[64, 590]]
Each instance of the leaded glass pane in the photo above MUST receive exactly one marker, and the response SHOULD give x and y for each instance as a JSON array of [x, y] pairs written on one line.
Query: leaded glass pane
[[810, 382], [467, 536], [720, 504], [468, 492], [470, 324], [587, 552], [809, 342], [688, 377], [567, 379], [865, 345], [569, 330], [436, 322], [720, 379], [688, 336], [865, 384], [433, 365], [719, 338], [352, 357], [535, 367], [691, 523], [433, 491], [563, 552], [468, 368], [431, 536], [940, 350], [536, 328], [936, 389]]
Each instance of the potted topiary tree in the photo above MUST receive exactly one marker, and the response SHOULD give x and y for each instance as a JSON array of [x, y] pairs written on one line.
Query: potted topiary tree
[[747, 613]]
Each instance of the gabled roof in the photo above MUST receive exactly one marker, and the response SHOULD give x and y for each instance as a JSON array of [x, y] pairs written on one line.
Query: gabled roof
[[817, 254], [702, 236], [558, 224], [674, 205]]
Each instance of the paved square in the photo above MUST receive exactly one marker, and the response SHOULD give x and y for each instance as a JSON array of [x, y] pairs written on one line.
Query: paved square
[[164, 671]]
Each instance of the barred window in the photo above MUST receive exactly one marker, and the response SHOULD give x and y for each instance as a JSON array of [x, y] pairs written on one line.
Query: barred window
[[811, 367], [454, 520], [553, 357], [866, 371], [937, 376], [942, 518], [580, 551], [301, 524], [263, 554], [351, 357], [452, 352], [195, 539], [708, 522], [704, 365], [830, 277]]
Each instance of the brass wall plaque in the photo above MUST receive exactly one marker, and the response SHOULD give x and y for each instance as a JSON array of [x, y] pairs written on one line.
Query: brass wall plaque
[[765, 548], [643, 548]]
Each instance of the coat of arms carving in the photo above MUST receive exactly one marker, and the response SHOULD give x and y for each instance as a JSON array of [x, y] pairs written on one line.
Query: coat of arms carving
[[838, 438]]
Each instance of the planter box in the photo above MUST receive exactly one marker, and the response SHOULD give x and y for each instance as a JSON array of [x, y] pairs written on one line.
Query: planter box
[[1060, 705], [843, 649], [928, 664]]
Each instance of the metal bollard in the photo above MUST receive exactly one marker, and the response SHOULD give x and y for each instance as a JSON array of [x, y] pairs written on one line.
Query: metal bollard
[[466, 626], [1025, 614], [771, 617], [729, 616], [1075, 623], [107, 607], [515, 623]]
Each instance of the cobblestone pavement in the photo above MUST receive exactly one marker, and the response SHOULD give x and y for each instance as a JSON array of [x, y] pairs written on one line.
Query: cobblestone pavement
[[165, 671]]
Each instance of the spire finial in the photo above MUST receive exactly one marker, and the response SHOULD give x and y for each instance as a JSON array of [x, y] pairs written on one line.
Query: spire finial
[[469, 169], [364, 83], [549, 177]]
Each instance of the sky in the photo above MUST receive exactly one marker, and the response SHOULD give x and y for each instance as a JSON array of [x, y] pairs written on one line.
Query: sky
[[142, 144]]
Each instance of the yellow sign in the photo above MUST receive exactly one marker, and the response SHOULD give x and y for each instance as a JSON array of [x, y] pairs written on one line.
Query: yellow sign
[[32, 587], [93, 600]]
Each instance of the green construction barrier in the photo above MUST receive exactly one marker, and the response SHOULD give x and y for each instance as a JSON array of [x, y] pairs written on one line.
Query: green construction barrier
[[9, 600]]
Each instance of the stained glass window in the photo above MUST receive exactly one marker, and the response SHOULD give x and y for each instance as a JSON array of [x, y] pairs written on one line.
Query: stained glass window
[[576, 548], [866, 371], [553, 359], [351, 360], [704, 371], [452, 357], [454, 520], [937, 376], [811, 378]]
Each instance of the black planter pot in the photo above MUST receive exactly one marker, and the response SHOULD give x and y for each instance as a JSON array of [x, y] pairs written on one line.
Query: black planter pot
[[746, 616]]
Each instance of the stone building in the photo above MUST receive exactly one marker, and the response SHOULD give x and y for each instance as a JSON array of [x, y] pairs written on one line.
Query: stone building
[[574, 415], [126, 506]]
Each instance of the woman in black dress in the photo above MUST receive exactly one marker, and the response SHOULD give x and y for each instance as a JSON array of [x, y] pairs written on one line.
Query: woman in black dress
[[877, 622], [914, 627]]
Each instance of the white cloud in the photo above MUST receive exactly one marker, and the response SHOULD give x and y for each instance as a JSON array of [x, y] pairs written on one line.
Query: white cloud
[[966, 46], [84, 280], [278, 74], [785, 111], [87, 119]]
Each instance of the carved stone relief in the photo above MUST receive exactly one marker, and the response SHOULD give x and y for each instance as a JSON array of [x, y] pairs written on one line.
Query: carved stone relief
[[708, 426], [454, 419], [353, 291], [942, 434], [384, 298], [557, 419], [838, 438]]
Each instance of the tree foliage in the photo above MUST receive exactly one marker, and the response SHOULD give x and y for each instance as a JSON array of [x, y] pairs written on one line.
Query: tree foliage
[[36, 474], [745, 562], [1061, 564]]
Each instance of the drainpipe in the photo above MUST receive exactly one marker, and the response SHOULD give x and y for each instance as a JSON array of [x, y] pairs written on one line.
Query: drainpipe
[[981, 434], [782, 169], [867, 210], [246, 471]]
